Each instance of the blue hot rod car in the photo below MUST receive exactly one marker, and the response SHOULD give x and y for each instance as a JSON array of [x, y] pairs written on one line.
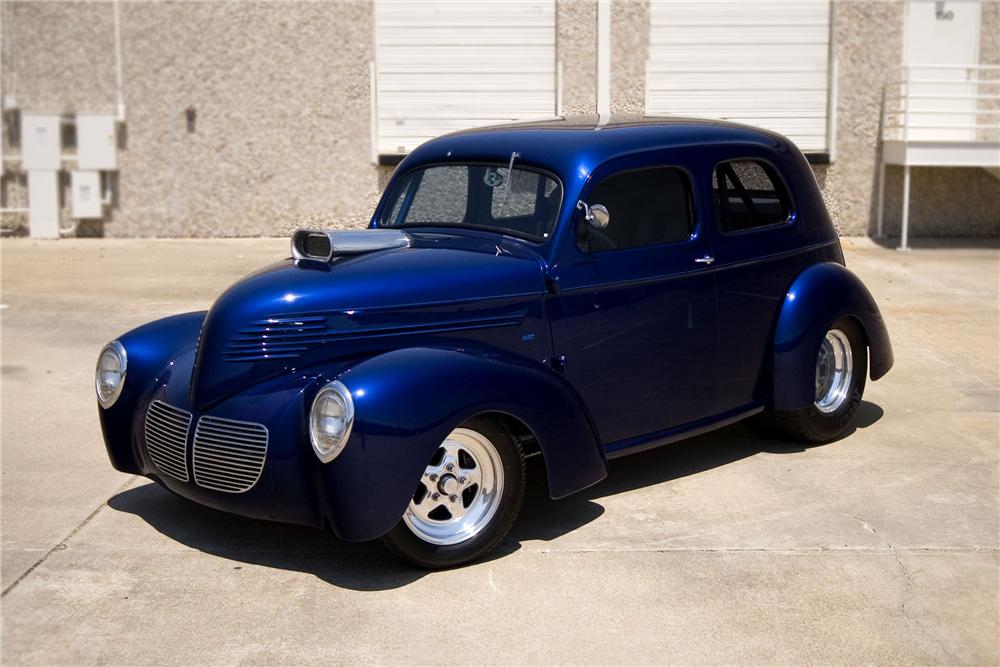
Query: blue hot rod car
[[577, 288]]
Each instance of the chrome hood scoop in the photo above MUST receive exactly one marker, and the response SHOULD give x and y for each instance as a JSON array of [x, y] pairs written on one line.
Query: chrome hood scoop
[[323, 246]]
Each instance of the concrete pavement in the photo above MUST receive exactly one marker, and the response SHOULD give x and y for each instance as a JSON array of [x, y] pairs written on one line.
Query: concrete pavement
[[728, 548]]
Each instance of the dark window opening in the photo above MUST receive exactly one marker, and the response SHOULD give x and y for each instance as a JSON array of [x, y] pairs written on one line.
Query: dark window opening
[[748, 194], [646, 207]]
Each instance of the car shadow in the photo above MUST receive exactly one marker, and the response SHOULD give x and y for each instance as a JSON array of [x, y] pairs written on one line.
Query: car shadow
[[367, 567]]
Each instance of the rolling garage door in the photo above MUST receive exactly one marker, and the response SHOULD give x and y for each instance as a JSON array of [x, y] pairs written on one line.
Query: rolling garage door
[[760, 63], [445, 66]]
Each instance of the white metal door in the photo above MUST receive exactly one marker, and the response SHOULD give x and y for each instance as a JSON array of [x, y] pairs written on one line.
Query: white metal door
[[941, 56], [761, 63], [443, 66]]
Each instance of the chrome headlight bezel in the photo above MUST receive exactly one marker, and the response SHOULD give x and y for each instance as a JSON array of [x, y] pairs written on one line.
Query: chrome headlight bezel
[[116, 349], [325, 446]]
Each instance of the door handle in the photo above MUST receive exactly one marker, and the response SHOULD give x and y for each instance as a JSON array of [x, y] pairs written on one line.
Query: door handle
[[707, 259]]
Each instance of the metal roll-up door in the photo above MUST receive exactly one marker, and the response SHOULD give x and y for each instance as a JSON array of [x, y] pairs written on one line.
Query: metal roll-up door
[[761, 63], [445, 66]]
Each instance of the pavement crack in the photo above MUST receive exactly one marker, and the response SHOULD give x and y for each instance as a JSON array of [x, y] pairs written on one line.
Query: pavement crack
[[821, 549], [907, 582], [62, 545]]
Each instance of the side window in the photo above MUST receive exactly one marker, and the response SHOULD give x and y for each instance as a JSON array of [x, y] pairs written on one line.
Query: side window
[[748, 194], [392, 218], [441, 196], [646, 207]]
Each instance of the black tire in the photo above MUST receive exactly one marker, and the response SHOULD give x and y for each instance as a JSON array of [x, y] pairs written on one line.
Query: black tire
[[813, 425], [405, 544]]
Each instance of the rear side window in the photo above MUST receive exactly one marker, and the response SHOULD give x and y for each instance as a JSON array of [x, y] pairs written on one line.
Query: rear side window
[[748, 195], [647, 207]]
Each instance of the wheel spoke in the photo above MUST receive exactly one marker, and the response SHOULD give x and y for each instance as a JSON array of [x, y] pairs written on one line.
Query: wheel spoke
[[471, 476], [451, 455], [424, 508], [456, 508]]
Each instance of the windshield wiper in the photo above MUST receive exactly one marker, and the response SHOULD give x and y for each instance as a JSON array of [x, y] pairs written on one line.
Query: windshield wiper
[[510, 178], [500, 231]]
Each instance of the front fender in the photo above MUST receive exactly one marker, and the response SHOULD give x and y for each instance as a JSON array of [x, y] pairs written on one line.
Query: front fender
[[406, 403], [150, 348], [819, 296]]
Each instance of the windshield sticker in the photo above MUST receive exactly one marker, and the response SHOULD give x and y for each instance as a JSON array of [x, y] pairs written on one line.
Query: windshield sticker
[[493, 178]]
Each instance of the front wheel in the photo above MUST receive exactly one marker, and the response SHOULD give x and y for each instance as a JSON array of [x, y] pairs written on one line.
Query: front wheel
[[466, 500], [841, 369]]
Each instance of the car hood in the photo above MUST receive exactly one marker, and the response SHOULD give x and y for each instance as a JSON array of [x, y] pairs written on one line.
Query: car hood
[[298, 313]]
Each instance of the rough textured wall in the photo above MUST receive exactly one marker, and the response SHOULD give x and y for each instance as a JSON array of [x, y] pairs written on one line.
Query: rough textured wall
[[576, 49], [59, 57], [280, 94], [989, 40], [989, 54], [629, 52], [868, 43]]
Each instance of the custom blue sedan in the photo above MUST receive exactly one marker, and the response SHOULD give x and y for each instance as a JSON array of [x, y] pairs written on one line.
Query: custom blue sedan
[[579, 288]]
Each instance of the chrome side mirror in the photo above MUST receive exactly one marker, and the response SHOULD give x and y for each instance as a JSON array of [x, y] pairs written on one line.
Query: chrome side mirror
[[596, 215]]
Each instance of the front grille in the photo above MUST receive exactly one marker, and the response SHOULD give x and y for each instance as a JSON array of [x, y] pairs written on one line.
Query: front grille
[[228, 455], [166, 432]]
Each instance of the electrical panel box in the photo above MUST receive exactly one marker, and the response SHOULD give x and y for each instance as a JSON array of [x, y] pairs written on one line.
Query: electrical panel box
[[96, 142], [43, 204], [41, 142], [86, 187]]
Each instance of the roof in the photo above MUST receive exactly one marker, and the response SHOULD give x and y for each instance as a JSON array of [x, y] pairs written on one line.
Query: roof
[[575, 143]]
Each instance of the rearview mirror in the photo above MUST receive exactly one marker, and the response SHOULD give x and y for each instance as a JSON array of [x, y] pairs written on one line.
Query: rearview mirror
[[596, 215]]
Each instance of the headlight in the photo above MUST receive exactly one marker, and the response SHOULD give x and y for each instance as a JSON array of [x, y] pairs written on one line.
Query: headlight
[[110, 374], [330, 420]]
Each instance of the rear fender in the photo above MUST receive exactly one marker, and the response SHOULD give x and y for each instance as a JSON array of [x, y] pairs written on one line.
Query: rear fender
[[406, 403], [819, 296]]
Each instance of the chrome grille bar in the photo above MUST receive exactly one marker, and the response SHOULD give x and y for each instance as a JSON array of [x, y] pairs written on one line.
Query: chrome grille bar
[[166, 433], [228, 455]]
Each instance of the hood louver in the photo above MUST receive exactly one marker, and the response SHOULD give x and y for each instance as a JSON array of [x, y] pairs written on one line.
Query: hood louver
[[325, 245]]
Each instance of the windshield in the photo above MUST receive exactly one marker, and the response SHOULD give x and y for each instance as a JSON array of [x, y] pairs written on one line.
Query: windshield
[[476, 195]]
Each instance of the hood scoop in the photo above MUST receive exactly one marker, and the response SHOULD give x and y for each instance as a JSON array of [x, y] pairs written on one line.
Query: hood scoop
[[323, 246]]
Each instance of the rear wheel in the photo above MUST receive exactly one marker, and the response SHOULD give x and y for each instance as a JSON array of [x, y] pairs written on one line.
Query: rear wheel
[[467, 499], [841, 369]]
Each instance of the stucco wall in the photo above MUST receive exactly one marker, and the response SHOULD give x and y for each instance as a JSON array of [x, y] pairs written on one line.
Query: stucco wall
[[629, 52], [281, 97], [576, 50], [867, 43]]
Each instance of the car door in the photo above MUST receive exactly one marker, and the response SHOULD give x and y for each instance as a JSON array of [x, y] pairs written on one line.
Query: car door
[[759, 249], [633, 317]]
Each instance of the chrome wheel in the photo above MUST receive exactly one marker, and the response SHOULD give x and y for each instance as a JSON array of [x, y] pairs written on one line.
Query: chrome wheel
[[834, 371], [459, 491]]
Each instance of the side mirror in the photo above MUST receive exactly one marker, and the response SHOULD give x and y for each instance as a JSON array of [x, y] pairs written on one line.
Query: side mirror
[[596, 215]]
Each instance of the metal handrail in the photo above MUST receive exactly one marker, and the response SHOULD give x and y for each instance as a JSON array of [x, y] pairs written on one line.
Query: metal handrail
[[977, 66], [900, 107]]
